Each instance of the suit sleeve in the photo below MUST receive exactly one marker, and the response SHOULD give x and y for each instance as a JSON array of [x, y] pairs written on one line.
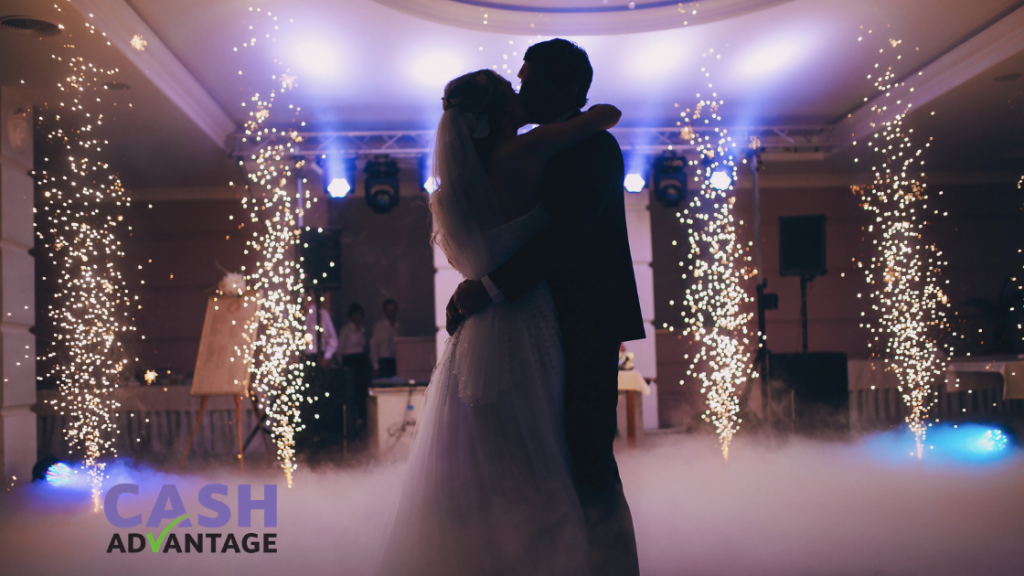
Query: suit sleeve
[[586, 181]]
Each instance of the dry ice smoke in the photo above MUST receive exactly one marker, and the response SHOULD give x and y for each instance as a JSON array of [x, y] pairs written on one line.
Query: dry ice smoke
[[792, 508]]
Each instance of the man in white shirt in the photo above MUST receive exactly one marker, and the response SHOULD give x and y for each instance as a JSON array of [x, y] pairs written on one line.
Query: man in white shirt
[[382, 344], [352, 338], [328, 337]]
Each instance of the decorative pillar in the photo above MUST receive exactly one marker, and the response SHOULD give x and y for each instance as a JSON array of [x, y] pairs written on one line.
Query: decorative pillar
[[645, 358], [446, 280], [17, 289], [638, 226]]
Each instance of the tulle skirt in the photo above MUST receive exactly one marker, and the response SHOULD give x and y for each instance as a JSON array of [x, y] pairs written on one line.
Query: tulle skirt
[[488, 488]]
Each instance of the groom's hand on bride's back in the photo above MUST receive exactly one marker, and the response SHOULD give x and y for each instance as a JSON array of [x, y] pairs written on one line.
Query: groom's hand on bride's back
[[452, 317], [470, 297]]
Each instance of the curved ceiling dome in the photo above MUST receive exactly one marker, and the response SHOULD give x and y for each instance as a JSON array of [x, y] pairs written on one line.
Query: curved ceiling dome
[[576, 17]]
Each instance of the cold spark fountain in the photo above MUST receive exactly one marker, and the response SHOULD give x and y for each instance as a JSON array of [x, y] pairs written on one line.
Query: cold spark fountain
[[714, 299], [274, 212], [82, 224], [903, 270]]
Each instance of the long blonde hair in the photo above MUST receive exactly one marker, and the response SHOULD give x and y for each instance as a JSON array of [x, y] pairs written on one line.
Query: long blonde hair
[[463, 207]]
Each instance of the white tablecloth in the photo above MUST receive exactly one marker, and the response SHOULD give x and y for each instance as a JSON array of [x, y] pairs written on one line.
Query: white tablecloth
[[1011, 368], [632, 380], [870, 375]]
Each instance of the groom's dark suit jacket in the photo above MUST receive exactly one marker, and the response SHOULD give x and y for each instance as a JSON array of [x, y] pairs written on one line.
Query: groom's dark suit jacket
[[583, 253]]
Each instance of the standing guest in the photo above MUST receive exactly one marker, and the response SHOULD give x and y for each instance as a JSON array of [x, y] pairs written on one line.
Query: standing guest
[[382, 345], [328, 337], [352, 349]]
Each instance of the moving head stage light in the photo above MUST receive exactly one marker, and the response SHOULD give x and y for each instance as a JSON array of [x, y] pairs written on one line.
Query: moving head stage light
[[670, 179], [381, 183]]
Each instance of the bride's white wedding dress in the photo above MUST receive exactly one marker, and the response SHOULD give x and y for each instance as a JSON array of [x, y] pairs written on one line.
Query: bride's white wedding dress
[[488, 487]]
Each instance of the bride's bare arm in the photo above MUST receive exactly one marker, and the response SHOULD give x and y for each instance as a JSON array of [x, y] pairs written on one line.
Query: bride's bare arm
[[545, 141]]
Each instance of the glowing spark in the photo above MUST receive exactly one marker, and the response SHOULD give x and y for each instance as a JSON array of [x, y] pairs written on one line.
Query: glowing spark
[[138, 42], [150, 376], [715, 295], [903, 270]]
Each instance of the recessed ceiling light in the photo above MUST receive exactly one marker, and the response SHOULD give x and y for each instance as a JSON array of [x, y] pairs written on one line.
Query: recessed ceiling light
[[1007, 77], [29, 26], [116, 86]]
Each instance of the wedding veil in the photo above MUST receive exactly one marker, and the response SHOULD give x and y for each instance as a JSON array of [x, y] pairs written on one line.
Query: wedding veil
[[463, 207]]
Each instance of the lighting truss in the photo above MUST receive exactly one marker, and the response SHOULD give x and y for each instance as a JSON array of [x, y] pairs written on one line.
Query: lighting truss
[[776, 142]]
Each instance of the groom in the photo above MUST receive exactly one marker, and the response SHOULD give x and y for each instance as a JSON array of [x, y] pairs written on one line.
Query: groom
[[583, 255]]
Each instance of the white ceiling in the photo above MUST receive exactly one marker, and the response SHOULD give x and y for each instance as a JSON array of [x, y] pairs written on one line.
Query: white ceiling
[[361, 65]]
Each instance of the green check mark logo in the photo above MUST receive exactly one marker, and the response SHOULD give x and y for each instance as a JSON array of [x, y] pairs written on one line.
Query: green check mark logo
[[154, 544]]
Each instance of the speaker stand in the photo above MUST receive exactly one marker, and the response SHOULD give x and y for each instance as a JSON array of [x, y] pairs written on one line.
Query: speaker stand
[[804, 279]]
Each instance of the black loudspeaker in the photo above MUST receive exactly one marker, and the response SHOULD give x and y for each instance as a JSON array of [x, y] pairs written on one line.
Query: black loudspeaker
[[670, 180], [802, 245], [821, 390], [320, 251], [381, 183]]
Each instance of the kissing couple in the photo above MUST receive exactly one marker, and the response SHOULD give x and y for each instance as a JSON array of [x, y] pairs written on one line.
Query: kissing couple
[[512, 470]]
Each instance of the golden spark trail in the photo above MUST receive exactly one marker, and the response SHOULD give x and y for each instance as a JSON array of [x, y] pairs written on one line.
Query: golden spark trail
[[903, 270], [715, 297], [279, 324], [81, 223]]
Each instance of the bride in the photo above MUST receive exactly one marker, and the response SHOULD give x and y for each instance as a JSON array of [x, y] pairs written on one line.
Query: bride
[[488, 487]]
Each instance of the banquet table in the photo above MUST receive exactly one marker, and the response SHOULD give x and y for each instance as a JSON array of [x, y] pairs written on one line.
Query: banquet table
[[631, 382], [969, 374]]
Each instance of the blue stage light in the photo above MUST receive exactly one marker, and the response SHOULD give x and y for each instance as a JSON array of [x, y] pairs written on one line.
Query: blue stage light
[[429, 182], [59, 474], [634, 183], [339, 188], [946, 444], [337, 172], [991, 441], [721, 179]]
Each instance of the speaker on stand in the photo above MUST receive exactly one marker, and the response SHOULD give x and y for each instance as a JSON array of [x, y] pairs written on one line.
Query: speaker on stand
[[816, 381], [802, 253]]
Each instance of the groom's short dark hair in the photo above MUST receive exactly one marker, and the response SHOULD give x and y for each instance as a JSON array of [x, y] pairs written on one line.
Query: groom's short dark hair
[[564, 63]]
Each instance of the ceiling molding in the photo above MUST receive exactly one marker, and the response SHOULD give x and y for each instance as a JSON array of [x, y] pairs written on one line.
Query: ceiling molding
[[120, 23], [576, 17], [994, 44]]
